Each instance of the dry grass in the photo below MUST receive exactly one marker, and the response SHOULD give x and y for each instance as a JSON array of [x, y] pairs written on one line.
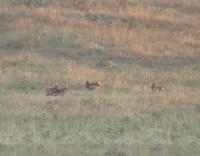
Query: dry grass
[[135, 26], [126, 45]]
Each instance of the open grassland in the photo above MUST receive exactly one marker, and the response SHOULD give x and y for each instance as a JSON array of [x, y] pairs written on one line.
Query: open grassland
[[124, 44]]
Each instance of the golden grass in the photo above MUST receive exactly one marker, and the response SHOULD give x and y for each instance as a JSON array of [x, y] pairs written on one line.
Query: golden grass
[[100, 35], [81, 74], [126, 46], [30, 57]]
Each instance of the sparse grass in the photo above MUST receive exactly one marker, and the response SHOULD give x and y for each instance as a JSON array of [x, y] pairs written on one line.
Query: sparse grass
[[126, 45]]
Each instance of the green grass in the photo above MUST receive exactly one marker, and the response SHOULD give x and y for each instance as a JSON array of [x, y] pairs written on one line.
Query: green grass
[[126, 48]]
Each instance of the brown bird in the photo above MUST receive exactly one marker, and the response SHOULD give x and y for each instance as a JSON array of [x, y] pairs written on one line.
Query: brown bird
[[51, 90], [92, 85], [155, 87], [60, 91]]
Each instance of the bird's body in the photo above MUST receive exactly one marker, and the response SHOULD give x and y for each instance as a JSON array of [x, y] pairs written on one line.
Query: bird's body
[[55, 91], [155, 87], [60, 91], [51, 90], [92, 85]]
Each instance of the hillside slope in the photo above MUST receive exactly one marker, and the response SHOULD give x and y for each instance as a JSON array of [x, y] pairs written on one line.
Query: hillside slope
[[126, 45]]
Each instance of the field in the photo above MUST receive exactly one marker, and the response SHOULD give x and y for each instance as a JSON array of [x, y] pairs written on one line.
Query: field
[[126, 45]]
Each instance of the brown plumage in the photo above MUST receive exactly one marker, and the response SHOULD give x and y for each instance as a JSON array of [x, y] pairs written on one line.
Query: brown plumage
[[60, 91], [56, 90], [155, 87], [51, 90], [92, 85]]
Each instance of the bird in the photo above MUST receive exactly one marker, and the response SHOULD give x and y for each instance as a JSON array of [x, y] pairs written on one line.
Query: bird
[[155, 87], [92, 85]]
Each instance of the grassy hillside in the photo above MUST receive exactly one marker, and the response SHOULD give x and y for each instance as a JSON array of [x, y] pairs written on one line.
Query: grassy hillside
[[126, 45]]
